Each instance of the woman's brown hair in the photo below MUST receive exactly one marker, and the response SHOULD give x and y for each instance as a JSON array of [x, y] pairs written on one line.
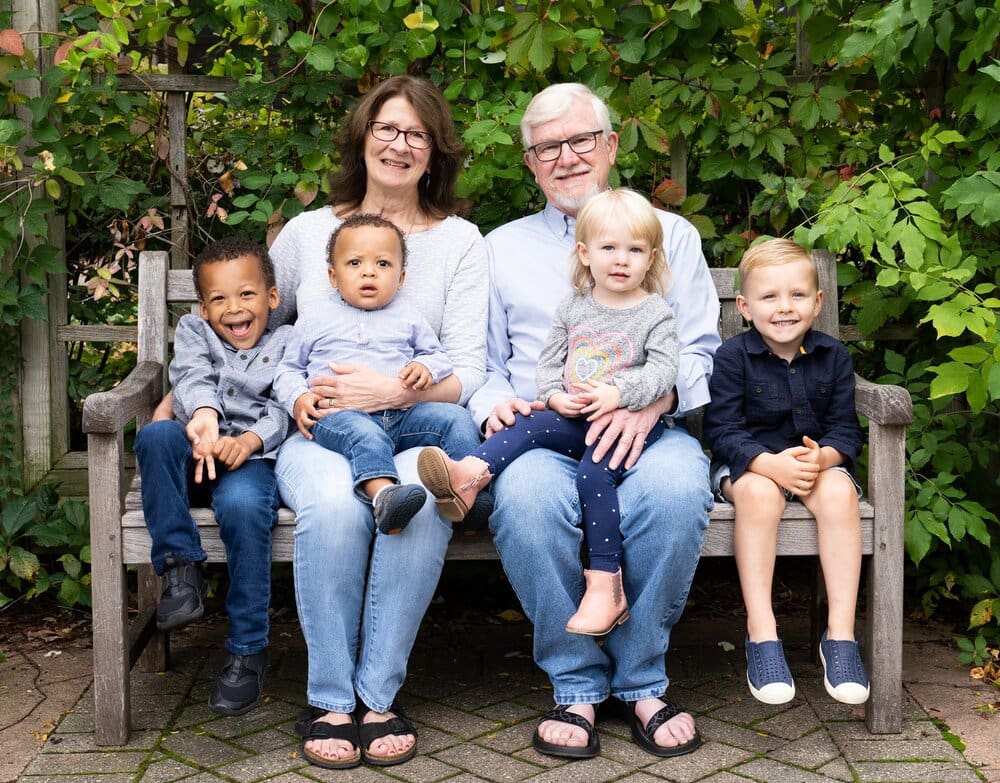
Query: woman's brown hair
[[436, 189]]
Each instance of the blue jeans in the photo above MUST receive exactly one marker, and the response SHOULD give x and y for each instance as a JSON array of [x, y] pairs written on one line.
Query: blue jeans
[[360, 596], [665, 502], [596, 482], [370, 440], [245, 502]]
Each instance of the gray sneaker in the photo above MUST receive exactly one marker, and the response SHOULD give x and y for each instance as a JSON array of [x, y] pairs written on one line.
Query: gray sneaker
[[395, 506]]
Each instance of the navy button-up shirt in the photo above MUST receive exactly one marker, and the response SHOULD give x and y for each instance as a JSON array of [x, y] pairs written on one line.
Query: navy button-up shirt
[[764, 404]]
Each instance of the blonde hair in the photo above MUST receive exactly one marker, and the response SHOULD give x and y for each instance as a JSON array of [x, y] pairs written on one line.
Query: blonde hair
[[775, 252], [622, 207]]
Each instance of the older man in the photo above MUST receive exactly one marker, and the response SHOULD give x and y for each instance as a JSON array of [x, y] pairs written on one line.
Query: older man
[[665, 498]]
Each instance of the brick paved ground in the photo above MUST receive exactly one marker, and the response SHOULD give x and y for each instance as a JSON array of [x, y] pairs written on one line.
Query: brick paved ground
[[475, 695]]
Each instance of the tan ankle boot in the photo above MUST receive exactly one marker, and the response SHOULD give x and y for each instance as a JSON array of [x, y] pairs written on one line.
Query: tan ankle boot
[[603, 605]]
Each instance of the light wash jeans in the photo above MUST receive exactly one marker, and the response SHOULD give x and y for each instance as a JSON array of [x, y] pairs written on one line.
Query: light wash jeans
[[664, 503], [360, 596], [370, 440]]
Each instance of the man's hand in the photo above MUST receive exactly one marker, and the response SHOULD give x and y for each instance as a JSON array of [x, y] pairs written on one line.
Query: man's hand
[[355, 387], [568, 405], [233, 452], [415, 376], [625, 430], [306, 413], [787, 469], [598, 398], [503, 415]]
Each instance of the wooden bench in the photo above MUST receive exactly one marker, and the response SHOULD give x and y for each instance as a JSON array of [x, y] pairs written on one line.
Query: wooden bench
[[119, 537]]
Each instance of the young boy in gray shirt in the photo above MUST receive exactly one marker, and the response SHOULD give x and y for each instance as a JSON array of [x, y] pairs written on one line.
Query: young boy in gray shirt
[[219, 450]]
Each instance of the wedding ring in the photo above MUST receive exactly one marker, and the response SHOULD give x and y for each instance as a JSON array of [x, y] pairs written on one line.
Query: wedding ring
[[329, 402]]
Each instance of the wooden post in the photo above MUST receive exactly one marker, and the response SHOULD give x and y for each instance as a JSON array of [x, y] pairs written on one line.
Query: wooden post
[[44, 424]]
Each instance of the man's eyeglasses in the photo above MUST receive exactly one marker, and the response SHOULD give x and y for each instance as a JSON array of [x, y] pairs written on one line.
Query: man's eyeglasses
[[383, 131], [581, 143]]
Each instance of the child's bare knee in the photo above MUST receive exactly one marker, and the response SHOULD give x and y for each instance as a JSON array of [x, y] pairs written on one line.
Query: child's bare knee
[[752, 491]]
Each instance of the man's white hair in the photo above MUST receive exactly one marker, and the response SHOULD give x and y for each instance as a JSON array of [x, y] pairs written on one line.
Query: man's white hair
[[555, 102]]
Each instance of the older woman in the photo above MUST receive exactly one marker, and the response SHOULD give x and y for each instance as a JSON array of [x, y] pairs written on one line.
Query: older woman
[[361, 596]]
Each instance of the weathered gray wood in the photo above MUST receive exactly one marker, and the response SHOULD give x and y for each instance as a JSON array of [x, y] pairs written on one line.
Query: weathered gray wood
[[58, 306], [124, 539], [175, 82], [110, 621], [180, 198], [884, 628], [97, 333], [155, 653]]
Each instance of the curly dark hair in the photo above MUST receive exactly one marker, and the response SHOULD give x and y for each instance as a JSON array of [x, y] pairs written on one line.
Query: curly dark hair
[[365, 219], [229, 249], [436, 190]]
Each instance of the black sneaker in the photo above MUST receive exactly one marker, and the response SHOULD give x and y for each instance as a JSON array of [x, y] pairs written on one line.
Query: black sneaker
[[396, 505], [183, 595], [240, 685]]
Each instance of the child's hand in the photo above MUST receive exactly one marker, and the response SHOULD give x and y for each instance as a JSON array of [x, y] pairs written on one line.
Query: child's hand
[[598, 398], [794, 473], [233, 452], [203, 432], [415, 376], [565, 404], [306, 413], [812, 455]]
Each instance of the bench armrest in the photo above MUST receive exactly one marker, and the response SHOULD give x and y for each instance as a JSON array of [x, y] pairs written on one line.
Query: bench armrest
[[883, 403], [109, 412]]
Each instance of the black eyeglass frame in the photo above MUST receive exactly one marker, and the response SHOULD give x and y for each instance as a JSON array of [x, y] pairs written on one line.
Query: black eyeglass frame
[[406, 134], [592, 135]]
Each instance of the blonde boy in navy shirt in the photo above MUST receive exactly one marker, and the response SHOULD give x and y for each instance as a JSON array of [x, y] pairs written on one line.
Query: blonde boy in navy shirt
[[782, 427]]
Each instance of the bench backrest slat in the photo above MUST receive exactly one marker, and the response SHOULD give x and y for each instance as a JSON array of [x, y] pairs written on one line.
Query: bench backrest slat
[[159, 286]]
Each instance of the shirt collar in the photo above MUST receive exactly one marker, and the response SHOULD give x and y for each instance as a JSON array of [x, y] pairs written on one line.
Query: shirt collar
[[755, 343], [558, 222]]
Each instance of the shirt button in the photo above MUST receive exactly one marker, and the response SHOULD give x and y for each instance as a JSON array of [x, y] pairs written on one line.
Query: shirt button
[[798, 411], [791, 370], [243, 356], [758, 389], [230, 391], [265, 360]]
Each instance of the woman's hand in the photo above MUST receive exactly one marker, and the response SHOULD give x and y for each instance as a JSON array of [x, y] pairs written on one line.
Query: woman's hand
[[355, 387]]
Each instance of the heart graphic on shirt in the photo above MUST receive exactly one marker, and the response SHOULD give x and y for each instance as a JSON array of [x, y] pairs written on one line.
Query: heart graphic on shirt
[[596, 358]]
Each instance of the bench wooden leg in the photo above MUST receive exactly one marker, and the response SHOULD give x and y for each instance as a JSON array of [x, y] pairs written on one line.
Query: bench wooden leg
[[884, 627], [156, 654], [110, 621]]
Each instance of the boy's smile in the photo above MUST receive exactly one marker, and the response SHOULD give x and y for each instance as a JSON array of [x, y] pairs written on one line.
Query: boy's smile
[[236, 300], [782, 302]]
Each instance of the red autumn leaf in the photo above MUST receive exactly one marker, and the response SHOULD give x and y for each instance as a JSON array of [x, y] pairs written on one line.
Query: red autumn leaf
[[11, 41], [63, 51], [669, 192]]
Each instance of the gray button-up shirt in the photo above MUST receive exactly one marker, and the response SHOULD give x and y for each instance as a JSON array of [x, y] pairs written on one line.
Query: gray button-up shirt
[[208, 372]]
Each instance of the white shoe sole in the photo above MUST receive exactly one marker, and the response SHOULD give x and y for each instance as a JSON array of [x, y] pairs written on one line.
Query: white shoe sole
[[846, 692], [773, 692]]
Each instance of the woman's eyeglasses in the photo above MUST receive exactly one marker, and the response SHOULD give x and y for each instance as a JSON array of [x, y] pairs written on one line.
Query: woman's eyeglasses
[[581, 143], [383, 131]]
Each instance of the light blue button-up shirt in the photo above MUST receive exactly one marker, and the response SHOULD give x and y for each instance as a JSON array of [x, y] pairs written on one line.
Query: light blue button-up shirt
[[530, 266]]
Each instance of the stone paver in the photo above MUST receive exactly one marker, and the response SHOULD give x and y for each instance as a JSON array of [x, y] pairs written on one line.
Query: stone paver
[[475, 697]]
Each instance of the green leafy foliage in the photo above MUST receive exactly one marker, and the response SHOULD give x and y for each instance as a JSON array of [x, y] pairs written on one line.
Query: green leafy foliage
[[882, 148], [44, 546]]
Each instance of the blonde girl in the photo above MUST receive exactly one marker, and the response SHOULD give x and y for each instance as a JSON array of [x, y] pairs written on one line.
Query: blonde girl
[[613, 344]]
